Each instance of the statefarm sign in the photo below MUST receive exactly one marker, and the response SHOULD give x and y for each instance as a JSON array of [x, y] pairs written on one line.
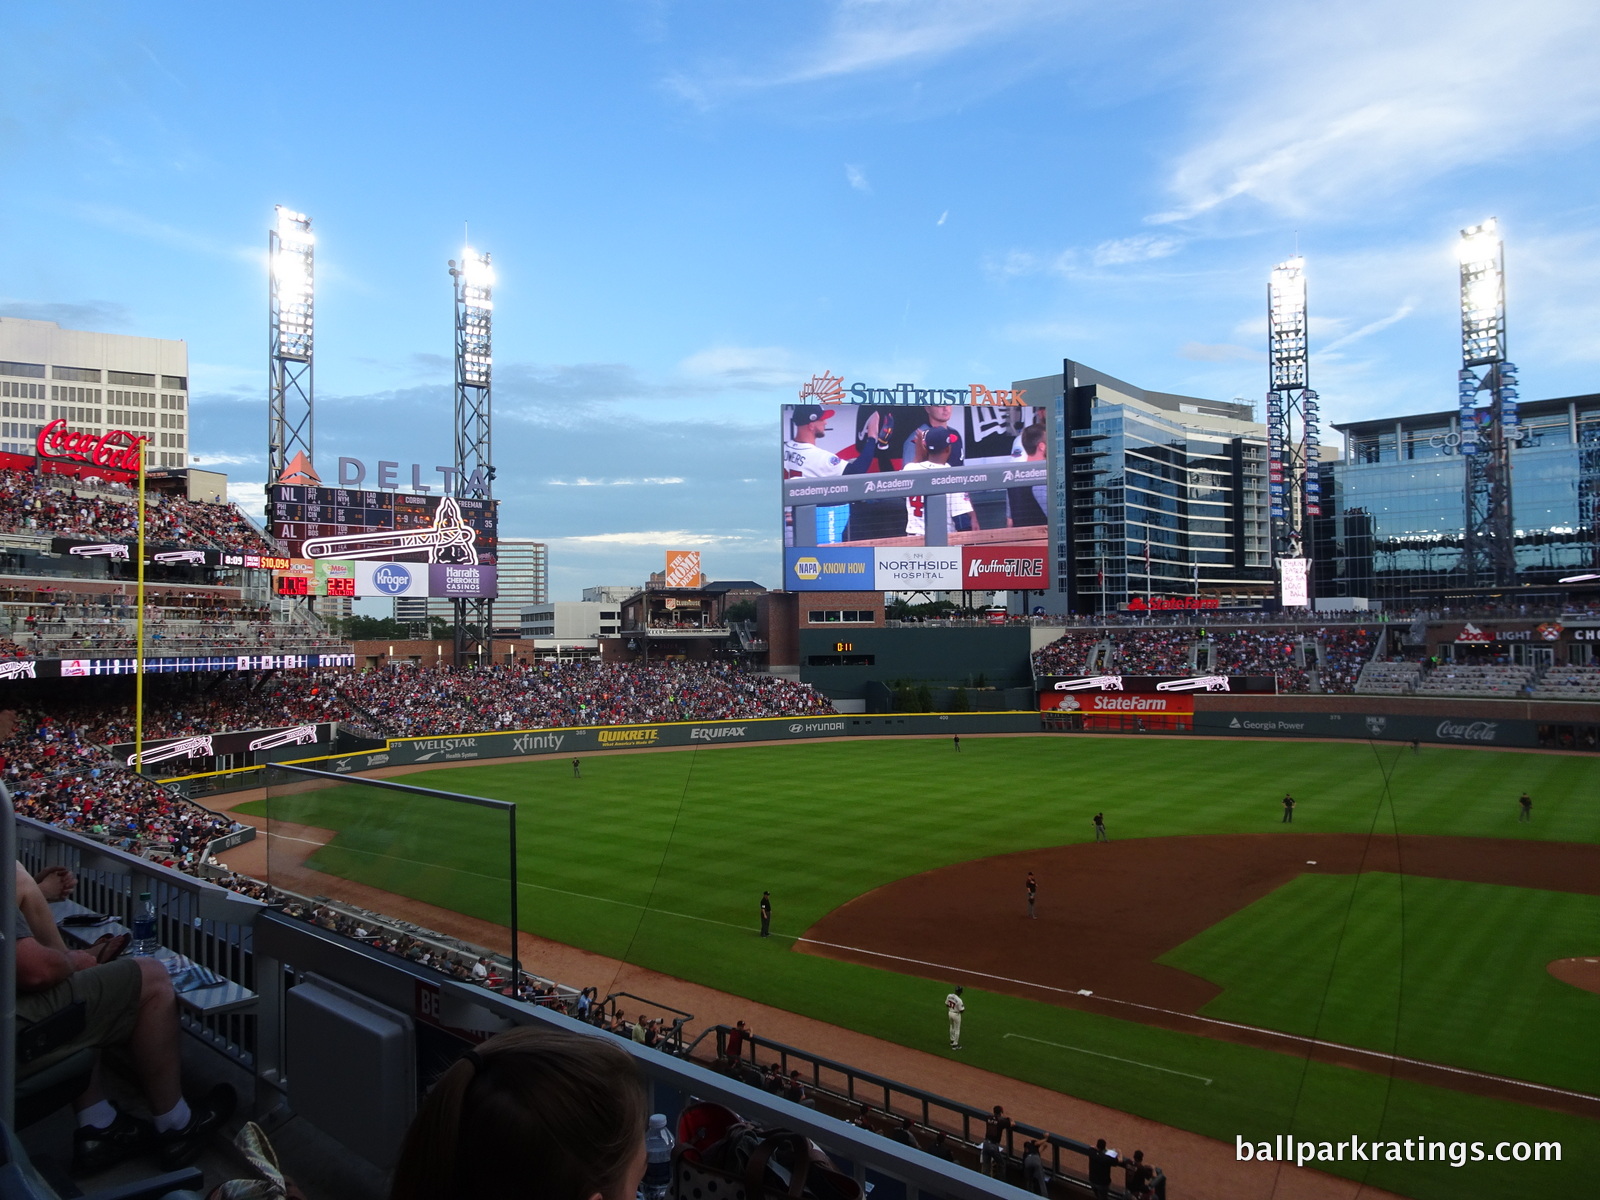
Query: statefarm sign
[[114, 453], [1132, 703]]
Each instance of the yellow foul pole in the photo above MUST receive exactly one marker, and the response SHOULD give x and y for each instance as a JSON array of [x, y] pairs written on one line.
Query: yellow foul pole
[[138, 662]]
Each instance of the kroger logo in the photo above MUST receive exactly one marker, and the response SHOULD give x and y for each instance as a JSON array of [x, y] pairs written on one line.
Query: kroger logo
[[807, 568], [391, 579]]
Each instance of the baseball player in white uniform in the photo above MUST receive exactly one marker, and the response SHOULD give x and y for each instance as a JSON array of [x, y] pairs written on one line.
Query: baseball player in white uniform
[[935, 447], [804, 459], [957, 1006]]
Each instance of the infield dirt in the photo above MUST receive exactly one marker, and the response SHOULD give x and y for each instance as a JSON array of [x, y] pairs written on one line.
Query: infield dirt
[[1127, 903]]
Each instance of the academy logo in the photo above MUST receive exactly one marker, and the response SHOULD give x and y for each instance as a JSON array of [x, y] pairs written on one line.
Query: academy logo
[[890, 485]]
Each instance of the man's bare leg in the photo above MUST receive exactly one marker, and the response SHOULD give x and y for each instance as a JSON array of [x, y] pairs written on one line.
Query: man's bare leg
[[155, 1038]]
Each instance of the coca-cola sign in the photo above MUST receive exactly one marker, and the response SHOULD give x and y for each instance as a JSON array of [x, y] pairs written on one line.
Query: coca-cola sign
[[115, 450], [1466, 731]]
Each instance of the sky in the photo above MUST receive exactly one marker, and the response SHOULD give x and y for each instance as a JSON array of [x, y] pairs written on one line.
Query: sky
[[694, 207]]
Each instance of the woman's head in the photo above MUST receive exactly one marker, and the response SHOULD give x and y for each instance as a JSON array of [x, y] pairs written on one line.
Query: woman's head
[[536, 1111]]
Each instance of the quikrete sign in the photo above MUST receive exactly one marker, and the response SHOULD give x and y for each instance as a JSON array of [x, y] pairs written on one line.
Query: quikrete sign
[[907, 393], [116, 450]]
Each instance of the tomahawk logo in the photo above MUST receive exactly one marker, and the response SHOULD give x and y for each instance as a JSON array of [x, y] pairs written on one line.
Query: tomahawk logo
[[102, 550], [1090, 683], [1200, 683], [530, 742]]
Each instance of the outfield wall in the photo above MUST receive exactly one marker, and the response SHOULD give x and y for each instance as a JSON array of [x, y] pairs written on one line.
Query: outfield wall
[[587, 739]]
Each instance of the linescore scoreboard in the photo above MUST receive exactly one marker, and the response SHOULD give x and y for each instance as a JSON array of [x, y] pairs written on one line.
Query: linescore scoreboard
[[296, 514]]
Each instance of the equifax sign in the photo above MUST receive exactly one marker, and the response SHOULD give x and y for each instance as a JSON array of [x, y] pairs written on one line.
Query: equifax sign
[[115, 450]]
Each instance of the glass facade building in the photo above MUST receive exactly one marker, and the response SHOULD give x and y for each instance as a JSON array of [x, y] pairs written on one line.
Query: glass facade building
[[1152, 494], [1396, 509]]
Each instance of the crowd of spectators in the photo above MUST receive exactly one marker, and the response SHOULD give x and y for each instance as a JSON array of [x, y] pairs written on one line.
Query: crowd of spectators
[[1344, 652], [1153, 652], [1260, 652], [57, 773], [1250, 650], [410, 701], [61, 507]]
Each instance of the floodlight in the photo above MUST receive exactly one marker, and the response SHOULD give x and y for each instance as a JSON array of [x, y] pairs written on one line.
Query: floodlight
[[475, 269], [1480, 243], [1579, 578]]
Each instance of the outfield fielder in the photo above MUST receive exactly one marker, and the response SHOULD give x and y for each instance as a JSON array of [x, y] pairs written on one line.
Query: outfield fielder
[[957, 1006]]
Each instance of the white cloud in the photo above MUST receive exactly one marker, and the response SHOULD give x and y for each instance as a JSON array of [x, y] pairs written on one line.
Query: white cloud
[[943, 217], [863, 37], [1315, 109], [857, 178], [1371, 327], [764, 366], [251, 499], [1139, 248], [658, 537], [648, 481], [1217, 352]]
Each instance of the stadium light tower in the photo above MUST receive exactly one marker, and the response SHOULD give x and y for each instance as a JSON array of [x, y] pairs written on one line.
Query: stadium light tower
[[474, 286], [1294, 420], [290, 301], [1489, 554]]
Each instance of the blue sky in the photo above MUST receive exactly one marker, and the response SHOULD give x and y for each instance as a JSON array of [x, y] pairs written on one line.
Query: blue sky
[[693, 207]]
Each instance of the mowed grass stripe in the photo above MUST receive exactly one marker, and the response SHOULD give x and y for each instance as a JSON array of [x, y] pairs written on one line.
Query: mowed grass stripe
[[821, 824]]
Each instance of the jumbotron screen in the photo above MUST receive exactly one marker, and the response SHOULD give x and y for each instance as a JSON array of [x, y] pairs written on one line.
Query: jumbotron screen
[[885, 497], [340, 523]]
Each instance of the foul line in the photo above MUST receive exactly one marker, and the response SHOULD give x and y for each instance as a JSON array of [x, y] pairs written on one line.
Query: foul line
[[1170, 1012], [1257, 1029], [1132, 1062]]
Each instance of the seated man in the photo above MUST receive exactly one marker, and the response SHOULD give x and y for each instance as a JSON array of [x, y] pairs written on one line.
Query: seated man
[[129, 1003]]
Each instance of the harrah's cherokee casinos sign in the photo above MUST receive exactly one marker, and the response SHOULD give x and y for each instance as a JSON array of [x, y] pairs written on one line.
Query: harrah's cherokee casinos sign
[[115, 450]]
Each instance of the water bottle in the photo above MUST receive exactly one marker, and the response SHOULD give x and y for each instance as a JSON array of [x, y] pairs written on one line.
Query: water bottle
[[144, 927], [657, 1182]]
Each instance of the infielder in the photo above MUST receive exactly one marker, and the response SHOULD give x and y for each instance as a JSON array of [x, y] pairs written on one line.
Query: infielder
[[957, 1006]]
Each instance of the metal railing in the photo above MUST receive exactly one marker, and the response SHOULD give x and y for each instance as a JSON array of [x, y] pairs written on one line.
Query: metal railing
[[291, 951], [851, 1086], [207, 924]]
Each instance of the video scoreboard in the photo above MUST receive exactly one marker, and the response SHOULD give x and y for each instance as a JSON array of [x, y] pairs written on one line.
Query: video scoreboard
[[297, 514]]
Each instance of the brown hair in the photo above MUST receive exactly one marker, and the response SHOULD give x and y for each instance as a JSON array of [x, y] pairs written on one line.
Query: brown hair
[[534, 1111]]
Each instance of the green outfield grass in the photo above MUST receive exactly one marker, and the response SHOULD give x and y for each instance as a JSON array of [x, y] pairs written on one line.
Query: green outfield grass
[[659, 859]]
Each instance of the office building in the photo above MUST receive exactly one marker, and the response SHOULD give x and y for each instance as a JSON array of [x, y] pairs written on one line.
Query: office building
[[524, 576], [95, 382], [1395, 508], [1152, 495], [613, 594]]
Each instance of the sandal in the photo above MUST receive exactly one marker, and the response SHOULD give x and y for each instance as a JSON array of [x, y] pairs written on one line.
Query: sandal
[[108, 947]]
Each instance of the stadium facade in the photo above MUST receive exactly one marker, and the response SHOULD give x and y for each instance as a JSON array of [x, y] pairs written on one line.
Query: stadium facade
[[1151, 495], [1163, 500], [1394, 506], [95, 382]]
